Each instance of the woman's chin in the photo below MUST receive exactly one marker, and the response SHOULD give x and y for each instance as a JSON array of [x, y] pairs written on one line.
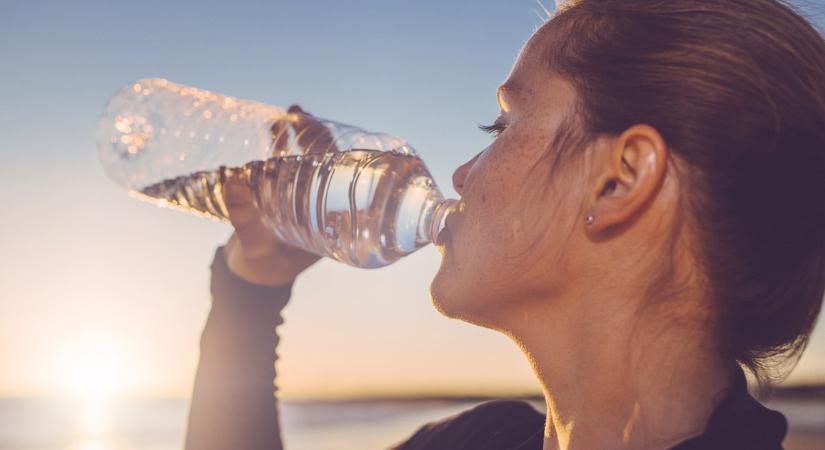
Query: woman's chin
[[450, 297], [450, 293], [442, 292]]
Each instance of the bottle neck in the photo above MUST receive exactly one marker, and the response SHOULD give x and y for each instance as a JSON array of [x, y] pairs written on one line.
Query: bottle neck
[[438, 217]]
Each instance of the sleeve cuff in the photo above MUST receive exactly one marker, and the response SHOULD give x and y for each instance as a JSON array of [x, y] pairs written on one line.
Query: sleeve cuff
[[232, 291]]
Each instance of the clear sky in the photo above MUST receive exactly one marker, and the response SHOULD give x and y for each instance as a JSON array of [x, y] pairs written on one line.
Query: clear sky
[[95, 282]]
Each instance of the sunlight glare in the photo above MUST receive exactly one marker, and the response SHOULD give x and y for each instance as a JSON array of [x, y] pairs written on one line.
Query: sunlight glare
[[93, 418], [92, 369], [93, 444]]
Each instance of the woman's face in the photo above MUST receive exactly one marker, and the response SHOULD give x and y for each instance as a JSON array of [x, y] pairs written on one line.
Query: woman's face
[[514, 240]]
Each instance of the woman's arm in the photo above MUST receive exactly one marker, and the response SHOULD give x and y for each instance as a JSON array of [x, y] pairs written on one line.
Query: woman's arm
[[233, 404]]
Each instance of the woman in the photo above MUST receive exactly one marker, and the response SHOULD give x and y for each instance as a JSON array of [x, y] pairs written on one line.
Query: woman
[[671, 230]]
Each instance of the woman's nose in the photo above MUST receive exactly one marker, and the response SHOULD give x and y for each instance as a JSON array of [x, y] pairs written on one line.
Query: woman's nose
[[460, 174]]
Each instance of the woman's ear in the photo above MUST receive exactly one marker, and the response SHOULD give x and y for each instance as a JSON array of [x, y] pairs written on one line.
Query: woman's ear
[[629, 173]]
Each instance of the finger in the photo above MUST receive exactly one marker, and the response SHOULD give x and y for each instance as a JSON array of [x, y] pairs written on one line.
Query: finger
[[310, 133], [239, 202], [255, 237], [313, 136], [257, 241], [279, 132]]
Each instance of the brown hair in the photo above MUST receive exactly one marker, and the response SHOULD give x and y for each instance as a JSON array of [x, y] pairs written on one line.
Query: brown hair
[[737, 90]]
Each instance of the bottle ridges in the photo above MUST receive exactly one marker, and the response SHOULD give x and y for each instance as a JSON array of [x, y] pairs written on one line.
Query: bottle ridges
[[363, 207]]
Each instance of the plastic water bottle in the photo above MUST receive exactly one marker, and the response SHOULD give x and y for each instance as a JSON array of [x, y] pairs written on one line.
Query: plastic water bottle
[[362, 198]]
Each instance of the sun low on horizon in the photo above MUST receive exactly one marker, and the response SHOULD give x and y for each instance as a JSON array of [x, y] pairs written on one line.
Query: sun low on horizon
[[92, 367]]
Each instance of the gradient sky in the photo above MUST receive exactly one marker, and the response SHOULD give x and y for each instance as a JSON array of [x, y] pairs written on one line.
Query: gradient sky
[[90, 272]]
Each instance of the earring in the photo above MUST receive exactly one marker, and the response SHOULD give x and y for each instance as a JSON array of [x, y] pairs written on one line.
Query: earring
[[589, 219]]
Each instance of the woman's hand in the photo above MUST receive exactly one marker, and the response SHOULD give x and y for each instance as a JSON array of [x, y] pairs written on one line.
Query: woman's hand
[[253, 252]]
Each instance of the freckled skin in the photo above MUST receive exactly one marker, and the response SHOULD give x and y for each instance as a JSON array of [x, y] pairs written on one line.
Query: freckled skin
[[519, 259], [499, 231]]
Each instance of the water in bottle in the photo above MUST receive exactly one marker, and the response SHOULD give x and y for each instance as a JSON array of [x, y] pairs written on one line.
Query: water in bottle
[[363, 198]]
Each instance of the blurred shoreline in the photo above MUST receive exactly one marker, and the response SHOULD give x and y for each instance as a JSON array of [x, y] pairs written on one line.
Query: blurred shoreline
[[307, 424], [806, 392], [802, 392]]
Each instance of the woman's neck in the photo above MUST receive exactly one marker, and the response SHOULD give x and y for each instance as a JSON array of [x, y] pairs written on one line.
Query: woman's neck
[[618, 380]]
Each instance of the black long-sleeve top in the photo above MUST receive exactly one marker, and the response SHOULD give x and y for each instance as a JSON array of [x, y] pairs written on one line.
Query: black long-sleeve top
[[234, 406]]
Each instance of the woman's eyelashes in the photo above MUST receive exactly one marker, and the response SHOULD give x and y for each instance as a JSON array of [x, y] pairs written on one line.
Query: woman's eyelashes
[[495, 129]]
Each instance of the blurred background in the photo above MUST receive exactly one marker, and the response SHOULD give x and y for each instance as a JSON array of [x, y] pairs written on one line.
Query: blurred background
[[103, 297]]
